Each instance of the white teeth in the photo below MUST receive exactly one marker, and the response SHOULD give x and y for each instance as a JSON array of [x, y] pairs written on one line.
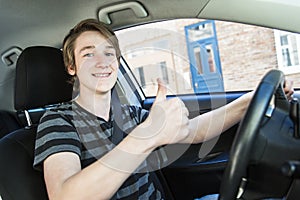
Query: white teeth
[[101, 75]]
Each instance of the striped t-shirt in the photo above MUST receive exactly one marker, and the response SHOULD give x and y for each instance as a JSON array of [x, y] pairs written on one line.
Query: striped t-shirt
[[71, 128]]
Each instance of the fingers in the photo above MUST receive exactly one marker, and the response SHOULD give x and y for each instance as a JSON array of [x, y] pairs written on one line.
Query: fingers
[[179, 103], [161, 91], [161, 94]]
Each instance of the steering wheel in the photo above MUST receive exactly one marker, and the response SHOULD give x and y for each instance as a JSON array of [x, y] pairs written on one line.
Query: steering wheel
[[271, 84]]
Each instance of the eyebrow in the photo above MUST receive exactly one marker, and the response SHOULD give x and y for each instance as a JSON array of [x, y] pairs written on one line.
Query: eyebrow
[[93, 47], [86, 47]]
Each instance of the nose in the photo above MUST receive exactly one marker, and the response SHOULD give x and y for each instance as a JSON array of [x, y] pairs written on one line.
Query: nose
[[102, 61], [102, 65]]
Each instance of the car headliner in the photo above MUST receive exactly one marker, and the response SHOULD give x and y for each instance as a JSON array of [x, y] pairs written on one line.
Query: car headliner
[[42, 22]]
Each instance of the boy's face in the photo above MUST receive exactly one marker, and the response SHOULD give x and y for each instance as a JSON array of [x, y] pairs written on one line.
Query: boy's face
[[96, 63]]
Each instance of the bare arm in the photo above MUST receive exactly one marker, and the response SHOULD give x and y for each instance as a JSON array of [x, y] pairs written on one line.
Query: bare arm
[[65, 179], [212, 124], [209, 125]]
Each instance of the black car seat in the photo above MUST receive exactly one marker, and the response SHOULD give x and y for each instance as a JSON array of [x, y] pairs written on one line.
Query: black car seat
[[41, 80], [8, 122]]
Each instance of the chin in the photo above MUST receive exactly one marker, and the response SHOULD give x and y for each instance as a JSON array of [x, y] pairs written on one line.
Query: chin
[[104, 89]]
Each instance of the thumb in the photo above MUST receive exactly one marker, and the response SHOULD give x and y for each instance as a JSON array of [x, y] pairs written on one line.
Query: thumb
[[161, 94]]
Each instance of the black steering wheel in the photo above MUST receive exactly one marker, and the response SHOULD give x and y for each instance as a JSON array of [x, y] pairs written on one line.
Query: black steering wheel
[[271, 84]]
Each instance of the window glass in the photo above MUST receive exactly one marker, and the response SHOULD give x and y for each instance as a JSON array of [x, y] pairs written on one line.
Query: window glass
[[200, 56], [197, 55], [288, 52]]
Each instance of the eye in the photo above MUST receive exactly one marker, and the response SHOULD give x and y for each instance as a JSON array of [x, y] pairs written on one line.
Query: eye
[[109, 54], [88, 55]]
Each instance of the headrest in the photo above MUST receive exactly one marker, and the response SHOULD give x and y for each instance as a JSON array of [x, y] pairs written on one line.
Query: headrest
[[41, 78]]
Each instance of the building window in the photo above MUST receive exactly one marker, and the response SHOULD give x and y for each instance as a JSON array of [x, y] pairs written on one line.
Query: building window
[[164, 71], [197, 55], [288, 51]]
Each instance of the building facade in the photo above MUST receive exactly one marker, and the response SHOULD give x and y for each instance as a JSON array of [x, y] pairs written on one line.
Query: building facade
[[189, 54]]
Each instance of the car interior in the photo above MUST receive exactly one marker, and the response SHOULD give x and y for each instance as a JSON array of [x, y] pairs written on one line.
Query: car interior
[[258, 158], [53, 88]]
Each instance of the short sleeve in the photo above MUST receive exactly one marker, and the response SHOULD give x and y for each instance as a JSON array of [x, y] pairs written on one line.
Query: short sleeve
[[55, 134]]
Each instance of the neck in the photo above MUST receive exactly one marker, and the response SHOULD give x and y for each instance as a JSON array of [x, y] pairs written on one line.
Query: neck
[[97, 103]]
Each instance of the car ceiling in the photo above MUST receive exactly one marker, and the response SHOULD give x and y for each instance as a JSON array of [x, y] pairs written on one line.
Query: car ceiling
[[42, 22]]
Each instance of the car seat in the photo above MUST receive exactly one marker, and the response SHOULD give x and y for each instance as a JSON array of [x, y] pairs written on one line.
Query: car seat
[[41, 80], [8, 122]]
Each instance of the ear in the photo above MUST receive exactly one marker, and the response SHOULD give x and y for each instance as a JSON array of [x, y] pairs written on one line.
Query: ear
[[72, 70]]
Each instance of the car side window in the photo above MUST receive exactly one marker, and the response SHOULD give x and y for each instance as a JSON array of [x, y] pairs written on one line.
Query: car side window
[[201, 56]]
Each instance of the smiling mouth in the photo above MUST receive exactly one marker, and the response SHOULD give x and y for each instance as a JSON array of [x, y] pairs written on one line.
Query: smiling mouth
[[101, 75]]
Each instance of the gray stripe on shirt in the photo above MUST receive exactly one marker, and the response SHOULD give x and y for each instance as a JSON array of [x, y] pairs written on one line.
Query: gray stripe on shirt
[[134, 187], [54, 136]]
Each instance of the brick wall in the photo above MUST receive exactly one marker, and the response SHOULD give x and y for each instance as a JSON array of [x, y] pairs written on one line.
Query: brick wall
[[246, 53]]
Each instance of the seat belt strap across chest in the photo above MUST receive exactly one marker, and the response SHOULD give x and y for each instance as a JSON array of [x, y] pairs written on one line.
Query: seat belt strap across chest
[[117, 133]]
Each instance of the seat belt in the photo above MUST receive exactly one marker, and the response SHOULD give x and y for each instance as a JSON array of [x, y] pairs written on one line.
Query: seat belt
[[117, 133]]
